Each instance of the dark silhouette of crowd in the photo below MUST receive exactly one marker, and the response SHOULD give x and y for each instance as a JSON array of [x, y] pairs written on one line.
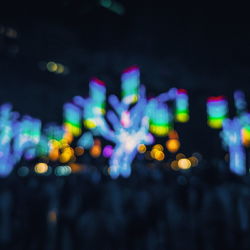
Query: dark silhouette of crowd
[[157, 208]]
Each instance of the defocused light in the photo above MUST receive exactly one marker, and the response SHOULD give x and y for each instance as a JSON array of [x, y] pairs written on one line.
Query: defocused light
[[54, 154], [97, 142], [245, 135], [79, 151], [180, 156], [95, 151], [173, 134], [75, 167], [65, 157], [184, 163], [159, 155], [107, 151], [142, 148], [60, 68], [52, 216], [62, 171], [51, 66], [194, 161], [152, 152], [158, 147], [106, 3], [41, 168], [130, 84], [173, 145], [174, 165], [217, 109], [181, 112]]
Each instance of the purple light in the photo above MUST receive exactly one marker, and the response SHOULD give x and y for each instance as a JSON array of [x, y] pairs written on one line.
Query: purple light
[[107, 151]]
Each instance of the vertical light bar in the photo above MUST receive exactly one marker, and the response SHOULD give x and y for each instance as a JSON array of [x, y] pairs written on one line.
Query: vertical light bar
[[72, 119], [130, 85], [181, 109], [217, 109], [159, 118], [231, 135]]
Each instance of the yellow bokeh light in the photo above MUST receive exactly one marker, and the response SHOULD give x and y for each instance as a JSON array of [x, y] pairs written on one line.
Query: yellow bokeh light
[[180, 156], [95, 151], [41, 168], [158, 147], [194, 161], [159, 155], [60, 68], [65, 157], [173, 145], [52, 67], [184, 163], [152, 152], [141, 148]]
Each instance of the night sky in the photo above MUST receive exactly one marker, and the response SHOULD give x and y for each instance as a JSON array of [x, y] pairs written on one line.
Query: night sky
[[204, 49]]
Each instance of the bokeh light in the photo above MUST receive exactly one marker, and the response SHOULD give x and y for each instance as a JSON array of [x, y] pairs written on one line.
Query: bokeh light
[[184, 163], [173, 145], [142, 148], [41, 168]]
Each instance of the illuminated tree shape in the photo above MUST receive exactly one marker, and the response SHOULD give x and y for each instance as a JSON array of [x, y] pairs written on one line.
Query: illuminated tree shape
[[235, 132], [128, 127], [17, 138]]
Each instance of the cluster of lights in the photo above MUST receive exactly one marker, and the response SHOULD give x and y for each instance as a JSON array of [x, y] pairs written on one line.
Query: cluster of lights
[[56, 68], [217, 109], [128, 128], [157, 152], [183, 163]]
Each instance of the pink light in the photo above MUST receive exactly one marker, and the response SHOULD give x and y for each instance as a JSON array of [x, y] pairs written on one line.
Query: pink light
[[107, 151], [215, 98], [130, 69], [97, 81]]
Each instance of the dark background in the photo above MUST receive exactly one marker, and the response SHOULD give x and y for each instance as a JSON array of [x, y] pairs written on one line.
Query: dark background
[[203, 48]]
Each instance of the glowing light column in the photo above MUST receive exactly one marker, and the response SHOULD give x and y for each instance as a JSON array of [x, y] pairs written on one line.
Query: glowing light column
[[231, 135], [181, 110], [72, 119], [217, 109]]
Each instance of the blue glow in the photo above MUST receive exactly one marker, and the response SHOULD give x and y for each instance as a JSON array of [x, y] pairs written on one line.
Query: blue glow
[[86, 140], [231, 135]]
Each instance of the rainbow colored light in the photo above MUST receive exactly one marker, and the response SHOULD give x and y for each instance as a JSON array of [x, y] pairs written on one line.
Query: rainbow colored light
[[181, 110], [130, 85], [217, 110]]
